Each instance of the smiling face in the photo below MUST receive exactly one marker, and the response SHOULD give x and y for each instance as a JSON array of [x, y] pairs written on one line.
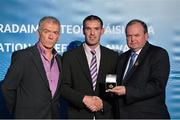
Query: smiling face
[[92, 31], [49, 34], [136, 37]]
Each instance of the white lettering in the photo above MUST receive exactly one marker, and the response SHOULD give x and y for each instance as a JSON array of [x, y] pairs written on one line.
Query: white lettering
[[11, 47], [1, 28], [15, 28], [76, 29], [1, 47], [67, 29], [23, 29], [60, 48], [7, 45], [7, 28], [116, 47], [151, 30]]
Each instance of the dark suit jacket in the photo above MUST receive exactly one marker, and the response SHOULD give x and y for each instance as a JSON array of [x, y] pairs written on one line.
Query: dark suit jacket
[[145, 84], [77, 82], [26, 88]]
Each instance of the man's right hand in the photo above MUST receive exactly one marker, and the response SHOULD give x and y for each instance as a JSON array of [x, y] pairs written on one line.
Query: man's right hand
[[94, 103]]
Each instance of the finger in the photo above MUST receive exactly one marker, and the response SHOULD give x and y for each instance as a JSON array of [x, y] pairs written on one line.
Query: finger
[[93, 108], [97, 98], [110, 90]]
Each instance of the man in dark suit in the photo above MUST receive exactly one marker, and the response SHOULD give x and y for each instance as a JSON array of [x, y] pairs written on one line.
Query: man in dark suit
[[31, 85], [142, 75], [85, 69]]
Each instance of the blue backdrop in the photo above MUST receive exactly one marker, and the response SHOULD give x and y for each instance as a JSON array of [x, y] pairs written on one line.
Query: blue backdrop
[[19, 18]]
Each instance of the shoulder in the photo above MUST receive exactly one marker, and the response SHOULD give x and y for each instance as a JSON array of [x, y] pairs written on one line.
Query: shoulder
[[20, 56], [108, 51], [22, 52], [157, 50], [126, 53], [74, 52]]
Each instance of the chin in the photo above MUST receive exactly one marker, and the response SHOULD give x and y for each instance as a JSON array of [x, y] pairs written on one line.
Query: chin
[[49, 47]]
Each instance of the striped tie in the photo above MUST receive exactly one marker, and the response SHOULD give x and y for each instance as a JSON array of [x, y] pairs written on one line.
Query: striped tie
[[93, 68], [132, 60], [131, 63]]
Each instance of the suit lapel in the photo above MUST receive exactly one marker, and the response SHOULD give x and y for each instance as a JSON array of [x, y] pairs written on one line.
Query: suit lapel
[[139, 60], [83, 63], [38, 63], [102, 65], [122, 65], [60, 74], [102, 70]]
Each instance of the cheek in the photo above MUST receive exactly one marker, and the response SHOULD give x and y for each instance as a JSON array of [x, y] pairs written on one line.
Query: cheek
[[128, 42], [142, 42], [55, 36], [85, 33], [99, 34], [44, 36]]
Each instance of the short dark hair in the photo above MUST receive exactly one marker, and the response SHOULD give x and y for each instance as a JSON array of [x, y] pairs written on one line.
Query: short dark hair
[[137, 21], [92, 17], [48, 18]]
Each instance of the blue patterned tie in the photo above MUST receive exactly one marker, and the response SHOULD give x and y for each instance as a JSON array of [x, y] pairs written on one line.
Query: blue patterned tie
[[132, 60], [93, 68]]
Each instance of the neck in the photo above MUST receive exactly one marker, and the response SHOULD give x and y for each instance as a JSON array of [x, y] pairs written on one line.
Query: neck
[[92, 47]]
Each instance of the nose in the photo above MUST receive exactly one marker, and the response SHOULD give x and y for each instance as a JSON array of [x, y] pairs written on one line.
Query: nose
[[132, 38], [51, 35], [92, 32]]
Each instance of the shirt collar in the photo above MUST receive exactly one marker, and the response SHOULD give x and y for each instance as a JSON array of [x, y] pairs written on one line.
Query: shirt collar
[[137, 52], [88, 49]]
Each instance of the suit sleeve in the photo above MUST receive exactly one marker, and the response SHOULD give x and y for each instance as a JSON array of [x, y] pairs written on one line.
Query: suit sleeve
[[11, 81], [73, 96], [156, 81]]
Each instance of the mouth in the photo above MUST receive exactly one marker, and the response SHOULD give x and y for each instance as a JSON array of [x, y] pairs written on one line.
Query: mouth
[[92, 38], [132, 43]]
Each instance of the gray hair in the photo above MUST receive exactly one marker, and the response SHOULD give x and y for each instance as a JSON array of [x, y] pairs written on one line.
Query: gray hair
[[48, 18]]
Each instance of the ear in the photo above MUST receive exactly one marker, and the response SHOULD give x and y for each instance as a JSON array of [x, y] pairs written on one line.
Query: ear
[[146, 36]]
